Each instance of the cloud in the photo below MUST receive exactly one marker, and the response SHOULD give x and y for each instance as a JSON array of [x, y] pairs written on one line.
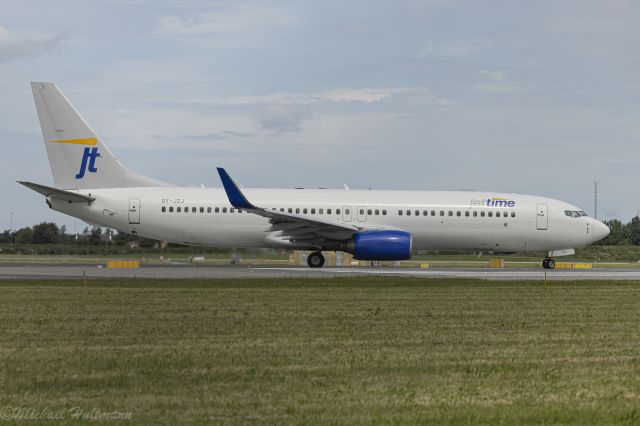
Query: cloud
[[16, 45], [230, 24], [285, 112], [366, 95], [283, 118], [336, 96], [493, 75], [426, 49], [453, 49]]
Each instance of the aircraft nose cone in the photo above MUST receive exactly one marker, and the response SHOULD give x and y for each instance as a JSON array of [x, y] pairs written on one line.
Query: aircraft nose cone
[[600, 231]]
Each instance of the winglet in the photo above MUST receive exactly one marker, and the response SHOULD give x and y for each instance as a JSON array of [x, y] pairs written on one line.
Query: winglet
[[236, 197]]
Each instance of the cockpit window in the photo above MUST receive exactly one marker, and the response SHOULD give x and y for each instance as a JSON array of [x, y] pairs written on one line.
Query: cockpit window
[[575, 213]]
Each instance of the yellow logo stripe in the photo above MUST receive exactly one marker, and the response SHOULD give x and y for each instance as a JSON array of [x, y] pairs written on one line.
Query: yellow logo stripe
[[82, 141]]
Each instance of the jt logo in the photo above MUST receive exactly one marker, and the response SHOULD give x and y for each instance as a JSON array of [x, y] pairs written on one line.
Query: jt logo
[[90, 155]]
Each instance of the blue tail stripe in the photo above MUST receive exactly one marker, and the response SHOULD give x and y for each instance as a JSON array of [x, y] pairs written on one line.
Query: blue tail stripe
[[236, 197]]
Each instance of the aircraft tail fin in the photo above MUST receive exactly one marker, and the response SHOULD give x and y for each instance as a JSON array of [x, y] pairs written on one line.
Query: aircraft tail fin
[[78, 158]]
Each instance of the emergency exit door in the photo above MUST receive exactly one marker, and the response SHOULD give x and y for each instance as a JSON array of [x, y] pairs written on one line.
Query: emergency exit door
[[134, 211]]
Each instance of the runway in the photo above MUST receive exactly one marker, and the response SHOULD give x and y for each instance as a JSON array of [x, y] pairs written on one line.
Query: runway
[[238, 272]]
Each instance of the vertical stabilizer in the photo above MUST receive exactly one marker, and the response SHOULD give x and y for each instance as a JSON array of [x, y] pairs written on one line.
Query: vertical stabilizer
[[78, 159]]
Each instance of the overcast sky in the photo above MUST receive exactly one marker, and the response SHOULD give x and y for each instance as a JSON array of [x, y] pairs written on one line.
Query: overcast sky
[[538, 97]]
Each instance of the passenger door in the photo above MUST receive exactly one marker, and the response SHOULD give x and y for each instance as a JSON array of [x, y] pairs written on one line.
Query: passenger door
[[542, 219], [134, 211]]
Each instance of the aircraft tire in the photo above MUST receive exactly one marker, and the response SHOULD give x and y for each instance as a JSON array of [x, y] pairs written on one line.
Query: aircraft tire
[[315, 260]]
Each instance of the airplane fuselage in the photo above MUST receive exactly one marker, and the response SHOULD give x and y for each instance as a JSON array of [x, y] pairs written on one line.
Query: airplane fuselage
[[437, 220]]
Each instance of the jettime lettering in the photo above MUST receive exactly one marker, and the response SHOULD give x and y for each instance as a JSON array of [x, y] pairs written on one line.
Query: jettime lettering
[[493, 202], [88, 162]]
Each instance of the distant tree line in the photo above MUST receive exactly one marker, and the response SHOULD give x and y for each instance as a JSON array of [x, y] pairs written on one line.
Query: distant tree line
[[49, 238], [622, 234], [49, 233]]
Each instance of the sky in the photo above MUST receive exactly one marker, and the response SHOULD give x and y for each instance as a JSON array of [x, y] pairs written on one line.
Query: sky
[[537, 97]]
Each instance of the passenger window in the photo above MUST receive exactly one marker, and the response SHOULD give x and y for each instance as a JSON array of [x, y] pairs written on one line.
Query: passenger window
[[186, 209], [490, 214], [482, 214], [408, 212], [362, 211], [178, 209], [297, 211], [417, 212], [170, 209], [441, 212], [377, 212], [369, 212], [513, 214], [304, 211], [337, 211], [384, 212], [217, 210], [313, 211], [290, 210], [224, 210], [208, 209], [328, 211], [232, 210], [320, 211], [466, 214], [433, 212], [425, 213], [497, 214], [347, 211], [201, 209], [164, 209], [399, 212], [458, 213]]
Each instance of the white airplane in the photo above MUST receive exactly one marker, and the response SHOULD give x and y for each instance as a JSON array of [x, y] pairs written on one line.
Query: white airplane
[[92, 185]]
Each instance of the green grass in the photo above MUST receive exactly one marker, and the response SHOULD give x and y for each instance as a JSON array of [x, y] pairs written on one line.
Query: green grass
[[347, 351]]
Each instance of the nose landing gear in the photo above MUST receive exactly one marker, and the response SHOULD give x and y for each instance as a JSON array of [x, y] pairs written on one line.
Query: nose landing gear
[[548, 263], [315, 260]]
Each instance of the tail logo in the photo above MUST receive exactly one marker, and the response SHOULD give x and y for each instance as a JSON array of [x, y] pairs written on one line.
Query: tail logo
[[88, 162]]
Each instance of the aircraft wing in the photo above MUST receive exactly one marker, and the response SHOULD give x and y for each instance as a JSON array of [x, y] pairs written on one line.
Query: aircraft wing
[[288, 226], [58, 194]]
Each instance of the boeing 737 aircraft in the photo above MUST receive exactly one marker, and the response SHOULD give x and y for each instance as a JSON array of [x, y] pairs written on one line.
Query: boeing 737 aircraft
[[92, 185]]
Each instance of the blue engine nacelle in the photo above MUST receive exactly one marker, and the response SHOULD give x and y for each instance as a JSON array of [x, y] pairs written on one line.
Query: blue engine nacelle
[[382, 245]]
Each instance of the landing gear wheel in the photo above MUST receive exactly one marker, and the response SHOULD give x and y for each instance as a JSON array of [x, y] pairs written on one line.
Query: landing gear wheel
[[548, 263], [315, 260]]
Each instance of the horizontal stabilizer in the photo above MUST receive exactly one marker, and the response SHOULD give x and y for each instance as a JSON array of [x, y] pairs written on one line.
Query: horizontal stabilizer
[[58, 194]]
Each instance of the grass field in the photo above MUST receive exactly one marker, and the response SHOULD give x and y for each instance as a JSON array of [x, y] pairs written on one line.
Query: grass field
[[356, 350]]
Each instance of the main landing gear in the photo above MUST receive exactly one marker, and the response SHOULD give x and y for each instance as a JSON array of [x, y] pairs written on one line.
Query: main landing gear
[[548, 263], [315, 260]]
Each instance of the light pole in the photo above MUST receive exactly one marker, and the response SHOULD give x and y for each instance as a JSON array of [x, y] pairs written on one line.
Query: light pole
[[11, 231], [106, 240]]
